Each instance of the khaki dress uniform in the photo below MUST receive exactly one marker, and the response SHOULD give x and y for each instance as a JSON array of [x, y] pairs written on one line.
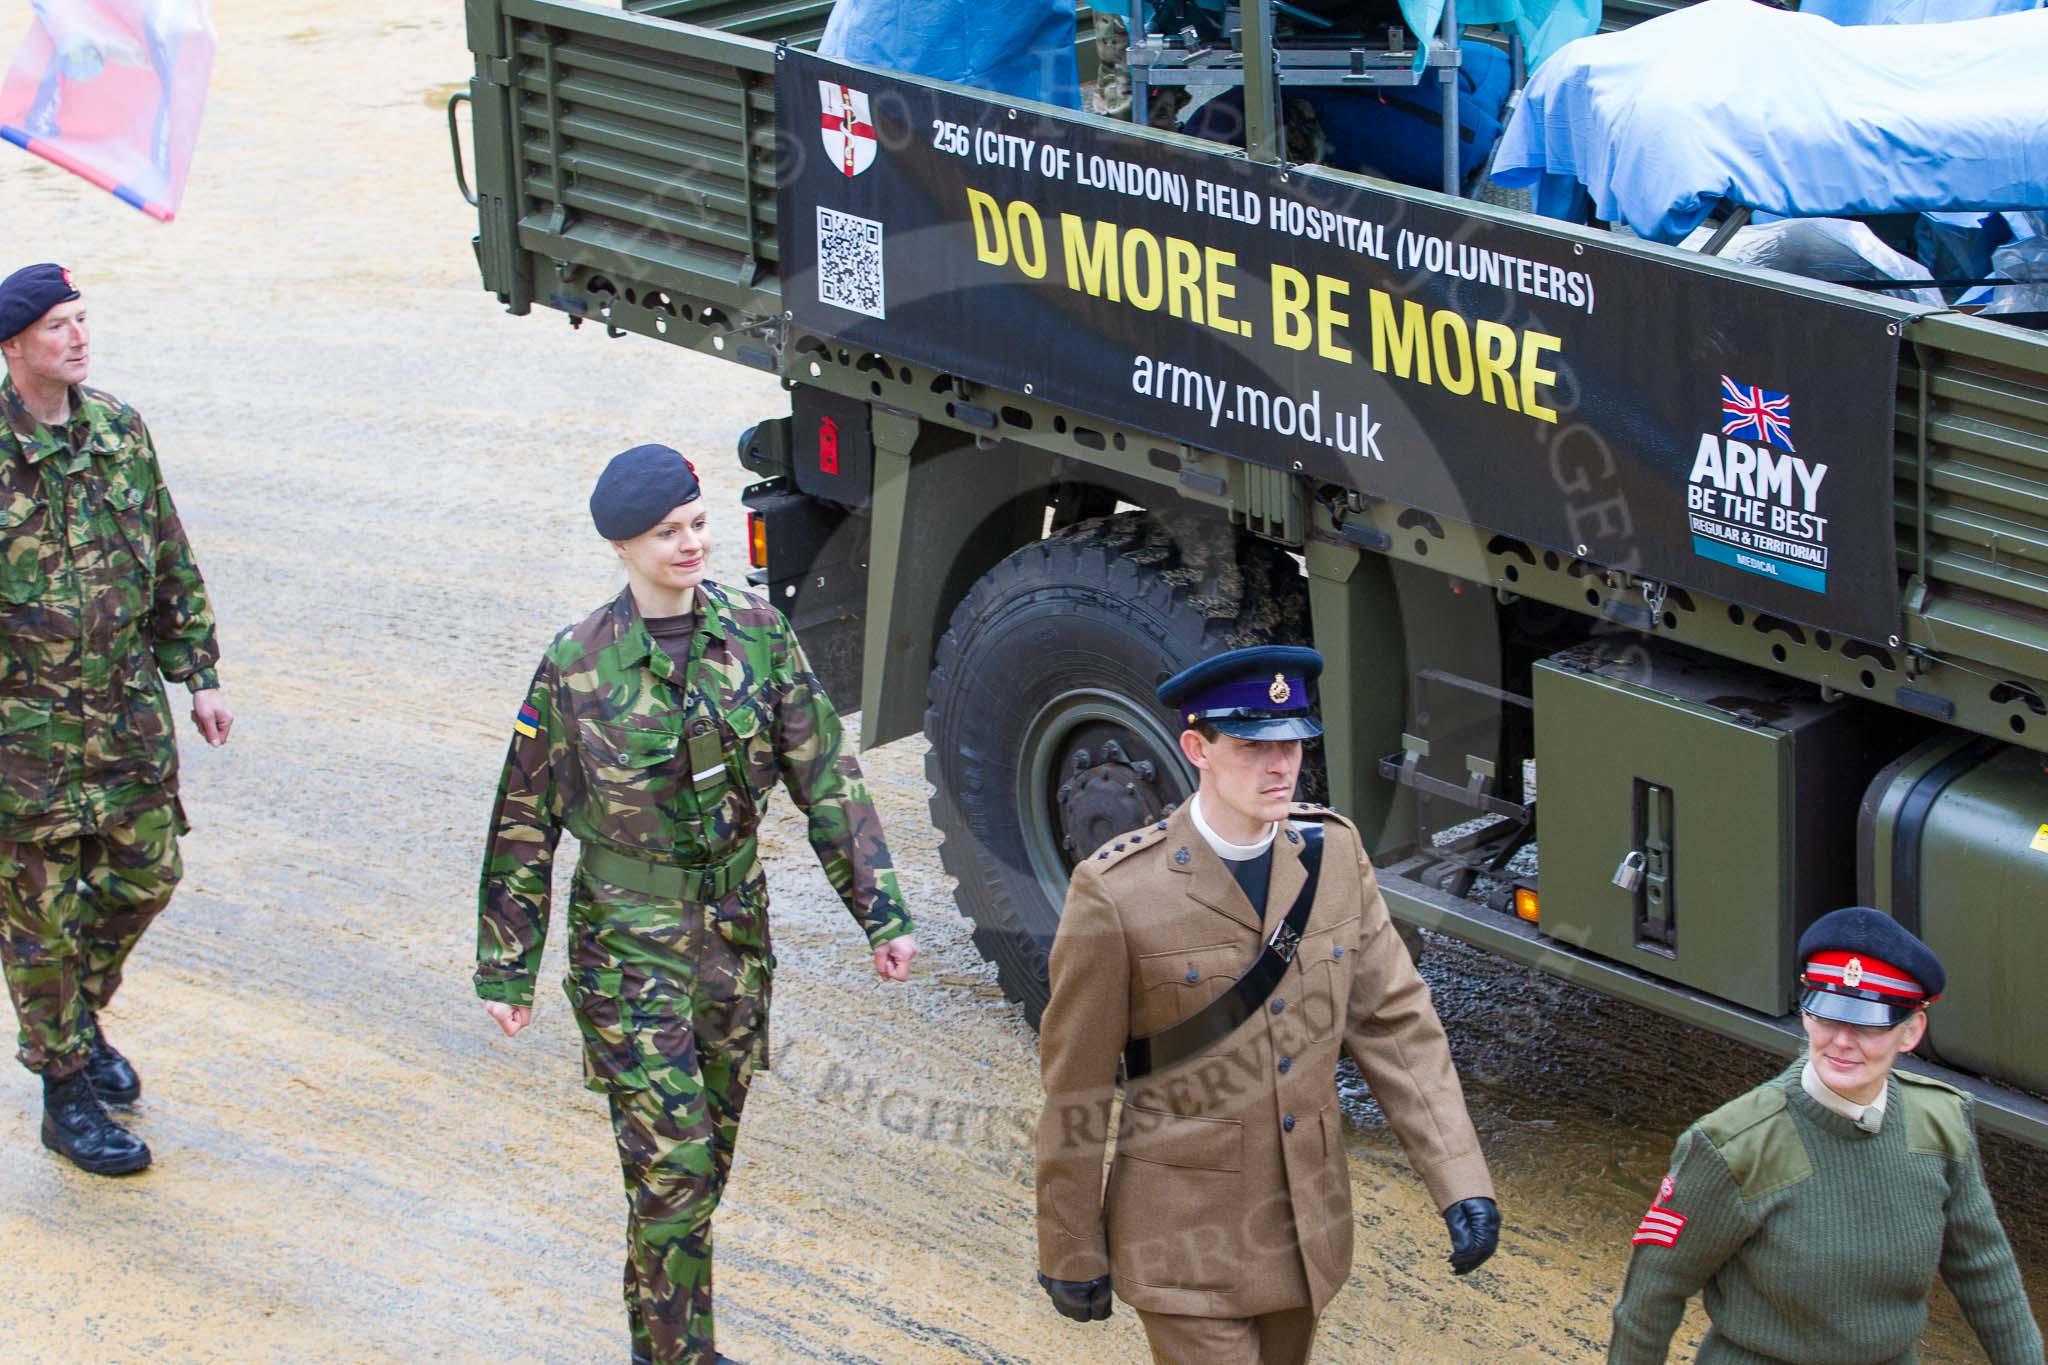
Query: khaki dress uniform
[[1227, 1215]]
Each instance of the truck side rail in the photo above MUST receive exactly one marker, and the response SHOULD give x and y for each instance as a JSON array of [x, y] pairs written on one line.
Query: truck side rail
[[801, 22]]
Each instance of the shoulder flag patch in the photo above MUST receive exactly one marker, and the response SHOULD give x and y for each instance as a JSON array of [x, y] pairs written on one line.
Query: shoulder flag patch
[[528, 723], [1660, 1226]]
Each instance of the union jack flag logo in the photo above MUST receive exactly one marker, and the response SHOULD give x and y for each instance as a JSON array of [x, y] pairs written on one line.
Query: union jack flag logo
[[1752, 414]]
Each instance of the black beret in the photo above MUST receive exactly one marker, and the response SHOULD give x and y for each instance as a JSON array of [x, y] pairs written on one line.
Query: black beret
[[29, 293], [1861, 966], [640, 487]]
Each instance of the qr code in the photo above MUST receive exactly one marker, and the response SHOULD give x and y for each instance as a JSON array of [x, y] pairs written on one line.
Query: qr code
[[850, 263]]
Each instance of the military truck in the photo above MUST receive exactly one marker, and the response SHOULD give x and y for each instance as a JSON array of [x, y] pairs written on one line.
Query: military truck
[[1748, 574]]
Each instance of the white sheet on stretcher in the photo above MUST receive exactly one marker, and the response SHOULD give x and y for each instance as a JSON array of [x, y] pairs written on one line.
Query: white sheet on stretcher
[[1730, 101]]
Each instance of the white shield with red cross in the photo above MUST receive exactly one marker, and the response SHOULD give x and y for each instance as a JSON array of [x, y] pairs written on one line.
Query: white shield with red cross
[[848, 131]]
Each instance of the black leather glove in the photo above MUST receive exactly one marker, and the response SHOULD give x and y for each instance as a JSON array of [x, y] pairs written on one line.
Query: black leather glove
[[1081, 1300], [1475, 1232]]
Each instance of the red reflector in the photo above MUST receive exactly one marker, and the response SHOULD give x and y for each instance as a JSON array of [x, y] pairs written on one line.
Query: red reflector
[[828, 446]]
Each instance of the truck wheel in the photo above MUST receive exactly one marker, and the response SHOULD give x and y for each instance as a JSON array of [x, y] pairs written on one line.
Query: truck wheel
[[1046, 740]]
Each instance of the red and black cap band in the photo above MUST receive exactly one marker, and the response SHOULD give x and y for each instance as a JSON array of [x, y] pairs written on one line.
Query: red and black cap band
[[1860, 975], [1852, 988]]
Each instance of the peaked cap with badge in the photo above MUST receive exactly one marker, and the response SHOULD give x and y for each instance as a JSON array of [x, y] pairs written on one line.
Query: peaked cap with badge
[[1257, 693], [1864, 967]]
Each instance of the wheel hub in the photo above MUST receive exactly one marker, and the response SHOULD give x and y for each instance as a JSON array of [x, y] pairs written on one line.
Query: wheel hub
[[1106, 795], [1092, 765]]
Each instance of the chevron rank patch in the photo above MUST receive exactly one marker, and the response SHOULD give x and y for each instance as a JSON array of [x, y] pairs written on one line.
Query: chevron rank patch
[[1660, 1226], [528, 721]]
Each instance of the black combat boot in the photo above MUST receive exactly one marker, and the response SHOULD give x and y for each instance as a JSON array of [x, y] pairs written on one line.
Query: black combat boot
[[113, 1079], [76, 1127]]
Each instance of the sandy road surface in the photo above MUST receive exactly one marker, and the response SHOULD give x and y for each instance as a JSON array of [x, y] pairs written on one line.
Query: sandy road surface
[[384, 477]]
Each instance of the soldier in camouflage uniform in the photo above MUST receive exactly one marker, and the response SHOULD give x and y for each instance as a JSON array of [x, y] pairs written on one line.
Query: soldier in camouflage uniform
[[99, 601], [655, 731]]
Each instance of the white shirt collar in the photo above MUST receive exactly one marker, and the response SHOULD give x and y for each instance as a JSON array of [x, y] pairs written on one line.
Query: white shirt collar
[[1868, 1117], [1236, 853]]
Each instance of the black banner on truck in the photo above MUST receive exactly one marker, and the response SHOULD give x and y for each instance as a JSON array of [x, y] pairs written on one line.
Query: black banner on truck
[[1690, 428]]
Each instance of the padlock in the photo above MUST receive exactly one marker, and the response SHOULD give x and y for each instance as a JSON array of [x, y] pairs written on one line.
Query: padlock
[[1629, 875]]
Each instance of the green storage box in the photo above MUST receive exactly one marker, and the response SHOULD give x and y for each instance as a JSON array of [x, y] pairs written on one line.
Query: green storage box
[[1735, 790]]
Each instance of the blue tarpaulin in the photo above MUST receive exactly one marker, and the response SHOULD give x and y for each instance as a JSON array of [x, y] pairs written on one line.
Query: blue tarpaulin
[[1544, 26], [1790, 114], [1022, 48]]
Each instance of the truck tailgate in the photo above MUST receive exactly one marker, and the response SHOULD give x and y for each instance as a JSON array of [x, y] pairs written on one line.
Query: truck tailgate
[[628, 146]]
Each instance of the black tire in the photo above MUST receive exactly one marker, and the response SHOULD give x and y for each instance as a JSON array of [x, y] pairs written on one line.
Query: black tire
[[1052, 654]]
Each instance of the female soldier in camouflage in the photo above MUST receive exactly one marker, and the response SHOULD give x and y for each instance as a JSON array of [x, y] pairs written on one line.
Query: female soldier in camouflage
[[655, 731]]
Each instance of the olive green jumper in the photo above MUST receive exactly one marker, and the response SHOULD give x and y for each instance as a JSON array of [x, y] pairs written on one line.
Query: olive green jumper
[[1817, 1242]]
